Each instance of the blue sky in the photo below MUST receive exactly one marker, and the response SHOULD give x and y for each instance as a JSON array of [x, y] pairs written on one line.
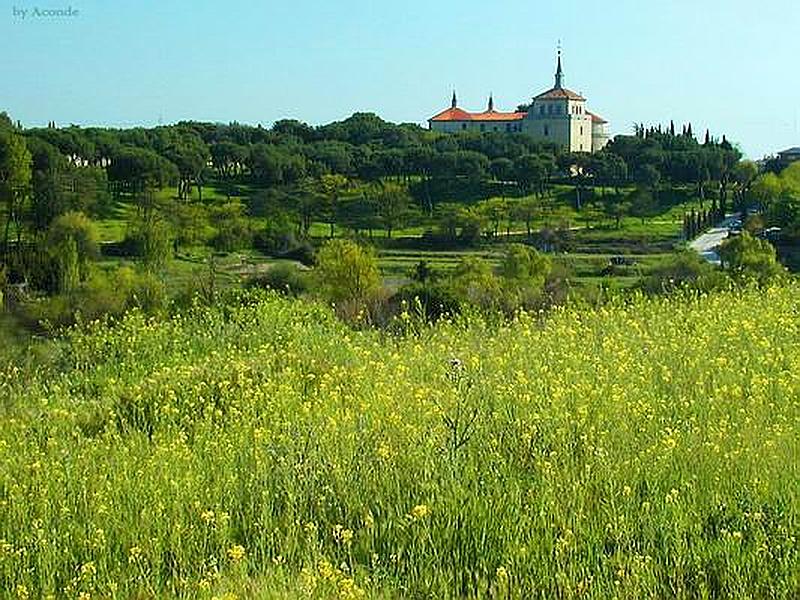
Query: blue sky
[[727, 65]]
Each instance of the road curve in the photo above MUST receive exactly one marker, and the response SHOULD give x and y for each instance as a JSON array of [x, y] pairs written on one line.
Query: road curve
[[707, 243]]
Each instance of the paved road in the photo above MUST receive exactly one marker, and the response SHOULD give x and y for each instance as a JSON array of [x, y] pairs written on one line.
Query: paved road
[[707, 244]]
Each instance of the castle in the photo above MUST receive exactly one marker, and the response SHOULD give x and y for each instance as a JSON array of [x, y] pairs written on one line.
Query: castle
[[558, 115]]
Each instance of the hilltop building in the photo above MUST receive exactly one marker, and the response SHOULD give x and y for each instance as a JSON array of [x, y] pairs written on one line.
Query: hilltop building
[[558, 115], [789, 156]]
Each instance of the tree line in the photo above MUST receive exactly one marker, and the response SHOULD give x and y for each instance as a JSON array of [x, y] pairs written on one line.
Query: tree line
[[55, 182]]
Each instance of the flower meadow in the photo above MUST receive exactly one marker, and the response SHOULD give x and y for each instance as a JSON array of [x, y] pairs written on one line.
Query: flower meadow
[[646, 449]]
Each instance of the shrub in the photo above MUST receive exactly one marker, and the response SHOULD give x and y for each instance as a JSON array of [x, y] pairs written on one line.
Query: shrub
[[684, 270], [474, 282], [284, 278], [750, 259], [303, 253], [426, 301], [151, 241], [102, 295], [72, 242], [525, 265], [346, 271], [233, 228], [277, 236]]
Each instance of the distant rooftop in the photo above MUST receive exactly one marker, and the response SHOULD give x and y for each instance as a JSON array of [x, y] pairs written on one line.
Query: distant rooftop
[[458, 114], [559, 93]]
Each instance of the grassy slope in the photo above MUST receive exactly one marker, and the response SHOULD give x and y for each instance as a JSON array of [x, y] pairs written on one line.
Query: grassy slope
[[594, 240], [640, 451]]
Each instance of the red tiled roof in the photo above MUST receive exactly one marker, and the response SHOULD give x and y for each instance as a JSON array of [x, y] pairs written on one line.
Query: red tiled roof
[[596, 118], [559, 94], [452, 114], [493, 115], [457, 114]]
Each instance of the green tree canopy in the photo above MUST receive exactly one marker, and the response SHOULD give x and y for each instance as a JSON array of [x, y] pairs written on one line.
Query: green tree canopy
[[346, 271], [750, 259]]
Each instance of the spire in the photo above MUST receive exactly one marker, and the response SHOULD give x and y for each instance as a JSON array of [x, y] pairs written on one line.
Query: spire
[[491, 102], [454, 102], [559, 71]]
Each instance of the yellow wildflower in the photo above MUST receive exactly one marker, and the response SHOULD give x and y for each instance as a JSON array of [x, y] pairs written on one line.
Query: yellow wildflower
[[236, 553]]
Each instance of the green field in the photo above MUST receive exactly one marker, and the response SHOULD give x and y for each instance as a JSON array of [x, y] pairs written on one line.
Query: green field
[[645, 450], [591, 241]]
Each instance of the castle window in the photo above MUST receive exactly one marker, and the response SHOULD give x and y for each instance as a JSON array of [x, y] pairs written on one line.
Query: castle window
[[581, 130], [483, 127], [546, 131], [550, 110], [541, 110], [508, 126], [463, 126]]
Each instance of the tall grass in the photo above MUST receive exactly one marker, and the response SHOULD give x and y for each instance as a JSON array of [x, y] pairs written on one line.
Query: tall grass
[[647, 450]]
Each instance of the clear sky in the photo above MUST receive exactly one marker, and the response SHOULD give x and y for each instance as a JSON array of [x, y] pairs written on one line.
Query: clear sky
[[729, 65]]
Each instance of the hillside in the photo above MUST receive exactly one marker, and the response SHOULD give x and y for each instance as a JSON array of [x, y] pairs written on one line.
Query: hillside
[[640, 450]]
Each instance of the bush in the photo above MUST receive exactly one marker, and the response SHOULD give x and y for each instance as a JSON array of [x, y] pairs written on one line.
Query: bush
[[151, 241], [275, 239], [346, 271], [750, 259], [233, 228], [72, 243], [525, 265], [426, 301], [303, 253], [102, 295], [475, 283], [685, 270], [284, 278]]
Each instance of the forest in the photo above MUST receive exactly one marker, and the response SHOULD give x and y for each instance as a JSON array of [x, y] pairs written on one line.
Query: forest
[[96, 221]]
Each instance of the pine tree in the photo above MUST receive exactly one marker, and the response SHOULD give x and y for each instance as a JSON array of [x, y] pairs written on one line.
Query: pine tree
[[689, 131], [672, 128], [708, 137]]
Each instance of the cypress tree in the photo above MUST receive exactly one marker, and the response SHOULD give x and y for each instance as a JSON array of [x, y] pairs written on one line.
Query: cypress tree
[[672, 128]]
